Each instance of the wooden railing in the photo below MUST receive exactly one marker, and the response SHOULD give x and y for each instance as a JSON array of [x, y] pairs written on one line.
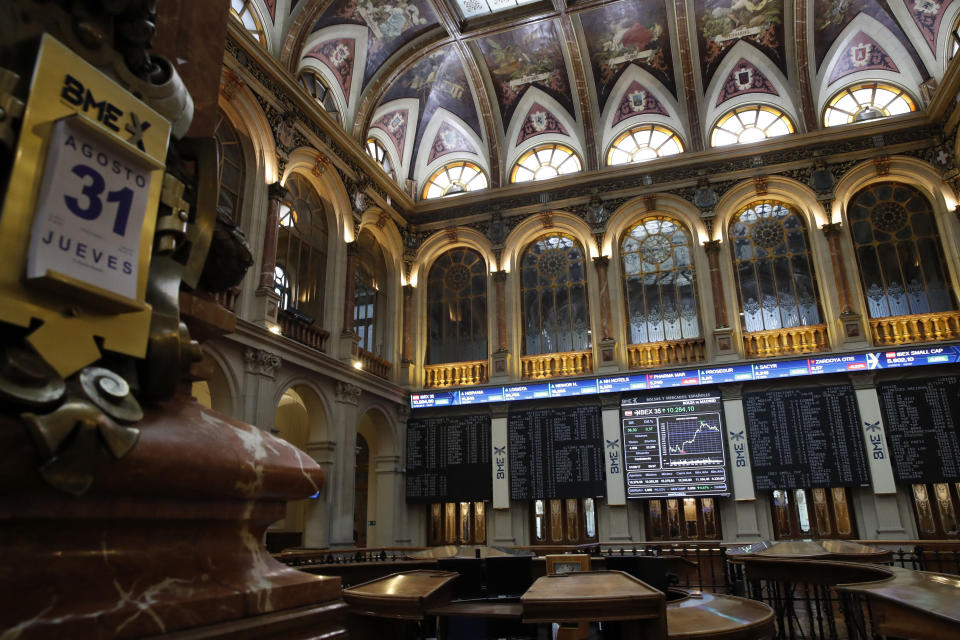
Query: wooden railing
[[374, 364], [552, 365], [779, 342], [228, 299], [922, 327], [304, 332], [655, 354], [454, 374]]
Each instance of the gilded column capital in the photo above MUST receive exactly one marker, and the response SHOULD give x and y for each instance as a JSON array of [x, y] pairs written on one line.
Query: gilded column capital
[[277, 191], [500, 276], [601, 262], [831, 229], [711, 246]]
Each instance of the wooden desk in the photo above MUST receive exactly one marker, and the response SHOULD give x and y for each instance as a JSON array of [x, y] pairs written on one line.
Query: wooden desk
[[915, 604], [840, 550], [405, 596], [598, 596], [719, 617]]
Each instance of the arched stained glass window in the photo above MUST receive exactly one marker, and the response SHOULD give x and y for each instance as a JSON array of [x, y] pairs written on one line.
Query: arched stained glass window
[[866, 101], [750, 123], [646, 142], [302, 247], [454, 178], [775, 277], [243, 11], [902, 266], [545, 162], [955, 38], [230, 200], [457, 308], [379, 153], [369, 297], [659, 283], [281, 284], [554, 291]]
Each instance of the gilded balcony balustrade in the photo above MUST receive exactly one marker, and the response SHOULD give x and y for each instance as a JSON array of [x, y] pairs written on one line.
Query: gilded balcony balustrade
[[374, 364], [455, 374], [921, 327], [657, 354], [555, 365], [302, 331], [782, 342]]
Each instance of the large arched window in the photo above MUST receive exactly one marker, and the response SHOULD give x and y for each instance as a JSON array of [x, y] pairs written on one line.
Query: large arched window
[[750, 123], [243, 11], [659, 285], [457, 308], [369, 299], [646, 142], [230, 200], [775, 277], [554, 291], [866, 101], [302, 248], [379, 153], [955, 38], [454, 178], [902, 266], [545, 162]]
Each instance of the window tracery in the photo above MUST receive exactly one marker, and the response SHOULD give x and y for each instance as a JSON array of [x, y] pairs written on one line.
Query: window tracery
[[645, 142], [866, 101], [750, 123], [302, 248], [457, 308], [544, 162], [454, 178], [379, 153], [230, 199], [244, 11]]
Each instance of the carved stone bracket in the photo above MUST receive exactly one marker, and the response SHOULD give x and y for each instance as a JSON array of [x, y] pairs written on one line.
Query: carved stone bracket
[[347, 393], [261, 363]]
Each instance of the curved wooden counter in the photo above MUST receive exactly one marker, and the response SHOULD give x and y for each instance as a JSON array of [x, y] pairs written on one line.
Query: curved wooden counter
[[405, 596], [840, 550], [718, 617]]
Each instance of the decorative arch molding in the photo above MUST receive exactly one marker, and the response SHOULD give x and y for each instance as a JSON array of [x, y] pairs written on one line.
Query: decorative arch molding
[[241, 107], [330, 189], [384, 229], [317, 404], [633, 211], [384, 430], [573, 139], [787, 190], [423, 168], [545, 223], [346, 103], [446, 240], [944, 39], [658, 91], [411, 108], [908, 77], [213, 350], [914, 172], [744, 50]]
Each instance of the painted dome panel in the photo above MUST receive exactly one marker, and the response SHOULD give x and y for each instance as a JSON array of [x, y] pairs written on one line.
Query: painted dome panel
[[723, 23], [637, 100], [744, 78]]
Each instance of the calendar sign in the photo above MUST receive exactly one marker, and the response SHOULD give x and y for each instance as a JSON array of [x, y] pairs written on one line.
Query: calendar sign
[[90, 212]]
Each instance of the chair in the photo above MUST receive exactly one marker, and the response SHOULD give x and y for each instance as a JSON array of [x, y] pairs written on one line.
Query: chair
[[509, 575]]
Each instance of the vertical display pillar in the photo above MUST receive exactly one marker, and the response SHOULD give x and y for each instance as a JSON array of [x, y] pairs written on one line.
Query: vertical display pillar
[[501, 353], [741, 475], [850, 328], [606, 343], [619, 525], [502, 518]]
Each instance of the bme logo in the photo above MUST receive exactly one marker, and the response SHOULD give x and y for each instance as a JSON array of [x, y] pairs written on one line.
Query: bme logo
[[108, 114]]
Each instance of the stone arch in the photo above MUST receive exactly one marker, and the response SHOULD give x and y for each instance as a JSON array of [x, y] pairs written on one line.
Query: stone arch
[[385, 481], [219, 392], [245, 114]]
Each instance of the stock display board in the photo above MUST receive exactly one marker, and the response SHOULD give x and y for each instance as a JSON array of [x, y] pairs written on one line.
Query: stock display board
[[691, 377], [556, 453], [922, 420], [673, 445], [448, 459], [804, 438]]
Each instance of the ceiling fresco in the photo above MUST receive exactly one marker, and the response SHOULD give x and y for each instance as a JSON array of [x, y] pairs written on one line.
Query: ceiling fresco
[[598, 64], [390, 25], [527, 57], [633, 32], [723, 23]]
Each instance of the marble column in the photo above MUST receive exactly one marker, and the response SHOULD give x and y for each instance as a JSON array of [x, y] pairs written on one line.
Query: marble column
[[406, 350], [348, 339], [500, 300], [712, 247], [602, 264], [260, 370], [849, 319], [268, 260]]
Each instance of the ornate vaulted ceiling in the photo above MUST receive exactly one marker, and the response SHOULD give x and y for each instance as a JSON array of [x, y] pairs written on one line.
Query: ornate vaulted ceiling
[[435, 81]]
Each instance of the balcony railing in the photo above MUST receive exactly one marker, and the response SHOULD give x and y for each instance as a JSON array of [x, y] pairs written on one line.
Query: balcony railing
[[304, 332], [374, 364], [922, 327], [553, 365], [454, 374], [656, 354], [781, 342], [228, 299]]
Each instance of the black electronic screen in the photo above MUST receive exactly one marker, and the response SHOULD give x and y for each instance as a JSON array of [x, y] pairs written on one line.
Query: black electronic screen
[[556, 453], [922, 419], [448, 459], [673, 445], [805, 438]]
